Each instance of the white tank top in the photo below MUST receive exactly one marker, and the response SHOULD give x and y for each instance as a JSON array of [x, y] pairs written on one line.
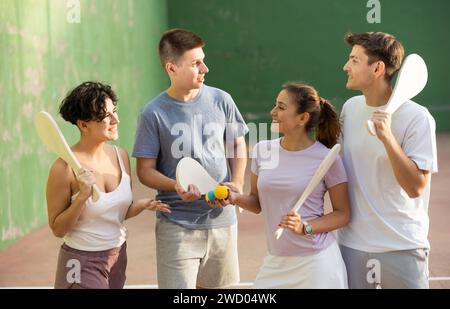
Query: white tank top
[[100, 225]]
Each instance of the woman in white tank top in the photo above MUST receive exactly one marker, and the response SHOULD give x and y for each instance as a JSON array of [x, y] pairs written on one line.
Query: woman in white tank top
[[94, 251]]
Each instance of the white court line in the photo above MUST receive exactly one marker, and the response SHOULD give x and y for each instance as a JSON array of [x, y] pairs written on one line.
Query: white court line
[[155, 286], [129, 286], [439, 279]]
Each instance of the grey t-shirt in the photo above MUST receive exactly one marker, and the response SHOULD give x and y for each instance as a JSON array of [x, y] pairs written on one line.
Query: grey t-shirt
[[169, 130]]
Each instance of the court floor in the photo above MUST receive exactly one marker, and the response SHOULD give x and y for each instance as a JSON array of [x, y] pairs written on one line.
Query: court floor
[[31, 261]]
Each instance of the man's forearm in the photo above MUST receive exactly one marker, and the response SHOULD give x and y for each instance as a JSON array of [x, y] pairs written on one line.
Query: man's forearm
[[239, 162], [408, 175], [155, 180], [237, 167]]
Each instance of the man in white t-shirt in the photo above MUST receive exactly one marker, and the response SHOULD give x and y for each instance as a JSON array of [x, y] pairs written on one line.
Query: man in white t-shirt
[[385, 245]]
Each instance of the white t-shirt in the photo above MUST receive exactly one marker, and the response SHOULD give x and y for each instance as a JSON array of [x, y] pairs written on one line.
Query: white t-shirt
[[383, 217], [282, 177]]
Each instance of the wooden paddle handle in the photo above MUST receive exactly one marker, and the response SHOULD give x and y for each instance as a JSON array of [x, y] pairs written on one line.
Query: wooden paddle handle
[[371, 127]]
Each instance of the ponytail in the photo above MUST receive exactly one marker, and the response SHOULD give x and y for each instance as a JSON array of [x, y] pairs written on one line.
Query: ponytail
[[328, 127], [322, 115]]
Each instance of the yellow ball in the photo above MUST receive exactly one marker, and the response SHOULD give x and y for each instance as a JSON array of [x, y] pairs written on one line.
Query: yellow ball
[[221, 192]]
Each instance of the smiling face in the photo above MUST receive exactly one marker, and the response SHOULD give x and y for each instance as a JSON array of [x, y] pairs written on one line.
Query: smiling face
[[285, 117], [107, 128], [361, 74], [189, 71], [109, 124]]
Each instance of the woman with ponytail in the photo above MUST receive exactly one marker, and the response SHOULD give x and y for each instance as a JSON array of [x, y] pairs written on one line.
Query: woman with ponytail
[[307, 254]]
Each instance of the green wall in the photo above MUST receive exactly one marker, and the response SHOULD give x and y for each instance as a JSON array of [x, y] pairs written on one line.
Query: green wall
[[253, 46], [42, 56]]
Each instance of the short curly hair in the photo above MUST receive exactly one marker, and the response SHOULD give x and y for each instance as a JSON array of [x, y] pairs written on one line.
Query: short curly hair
[[87, 102]]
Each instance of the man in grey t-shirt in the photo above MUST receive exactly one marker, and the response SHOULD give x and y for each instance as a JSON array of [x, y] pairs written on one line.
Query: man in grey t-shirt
[[196, 243]]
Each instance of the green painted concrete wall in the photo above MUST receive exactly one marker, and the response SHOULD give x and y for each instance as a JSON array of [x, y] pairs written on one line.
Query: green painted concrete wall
[[43, 54], [253, 46]]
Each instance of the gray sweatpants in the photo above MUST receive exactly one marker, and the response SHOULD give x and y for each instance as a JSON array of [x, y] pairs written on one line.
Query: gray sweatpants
[[406, 269]]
